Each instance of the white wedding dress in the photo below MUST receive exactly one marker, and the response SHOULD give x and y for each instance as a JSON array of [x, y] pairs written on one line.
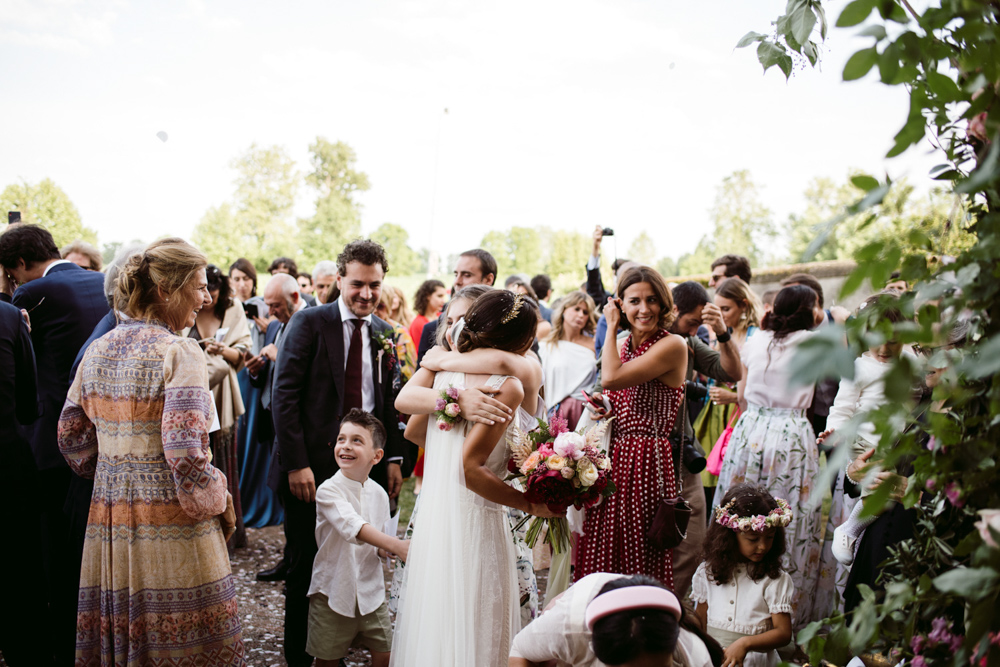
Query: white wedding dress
[[460, 602]]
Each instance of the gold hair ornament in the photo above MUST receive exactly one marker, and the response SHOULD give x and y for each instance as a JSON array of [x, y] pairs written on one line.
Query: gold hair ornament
[[515, 309]]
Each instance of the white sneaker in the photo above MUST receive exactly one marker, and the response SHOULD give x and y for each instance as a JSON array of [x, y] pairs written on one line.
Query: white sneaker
[[843, 545]]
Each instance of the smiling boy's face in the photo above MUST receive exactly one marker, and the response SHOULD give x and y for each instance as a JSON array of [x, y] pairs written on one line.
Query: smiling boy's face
[[355, 451]]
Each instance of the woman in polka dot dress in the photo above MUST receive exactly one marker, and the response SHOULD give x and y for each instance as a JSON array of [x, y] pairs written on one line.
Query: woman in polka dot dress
[[644, 381]]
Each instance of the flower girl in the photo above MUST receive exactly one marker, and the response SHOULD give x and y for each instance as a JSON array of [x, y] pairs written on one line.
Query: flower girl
[[743, 596]]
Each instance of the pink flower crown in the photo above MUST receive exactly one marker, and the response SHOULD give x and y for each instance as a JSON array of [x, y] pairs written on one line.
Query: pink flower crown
[[779, 516]]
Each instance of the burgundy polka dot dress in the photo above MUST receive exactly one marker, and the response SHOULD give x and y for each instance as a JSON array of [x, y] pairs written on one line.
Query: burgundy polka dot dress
[[614, 537]]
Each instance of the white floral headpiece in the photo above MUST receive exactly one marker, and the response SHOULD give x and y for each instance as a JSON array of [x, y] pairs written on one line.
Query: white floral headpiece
[[779, 516]]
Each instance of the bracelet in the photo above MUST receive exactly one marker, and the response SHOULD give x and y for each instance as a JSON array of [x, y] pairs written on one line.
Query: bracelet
[[725, 336], [847, 473]]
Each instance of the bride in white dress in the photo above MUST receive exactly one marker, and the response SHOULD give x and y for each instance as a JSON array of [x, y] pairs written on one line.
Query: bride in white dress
[[460, 603]]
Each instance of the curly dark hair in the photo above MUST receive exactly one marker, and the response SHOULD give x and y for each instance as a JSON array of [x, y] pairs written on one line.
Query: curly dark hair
[[31, 244], [485, 326], [722, 551], [424, 293], [218, 281], [365, 251], [286, 263]]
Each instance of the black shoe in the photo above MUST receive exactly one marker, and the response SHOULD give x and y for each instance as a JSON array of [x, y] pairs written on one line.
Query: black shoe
[[276, 573]]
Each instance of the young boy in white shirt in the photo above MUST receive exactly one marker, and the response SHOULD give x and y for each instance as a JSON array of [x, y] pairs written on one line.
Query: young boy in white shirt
[[347, 591]]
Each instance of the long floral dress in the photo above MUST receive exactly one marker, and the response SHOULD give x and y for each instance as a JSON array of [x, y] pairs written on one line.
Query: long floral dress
[[156, 586], [614, 538]]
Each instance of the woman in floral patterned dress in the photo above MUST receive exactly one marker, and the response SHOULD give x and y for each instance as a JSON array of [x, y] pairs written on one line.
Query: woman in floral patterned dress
[[773, 444], [156, 586], [644, 380]]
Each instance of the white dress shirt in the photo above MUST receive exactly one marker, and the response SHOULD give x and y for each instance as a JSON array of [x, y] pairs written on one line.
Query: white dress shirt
[[347, 571], [55, 263], [367, 379]]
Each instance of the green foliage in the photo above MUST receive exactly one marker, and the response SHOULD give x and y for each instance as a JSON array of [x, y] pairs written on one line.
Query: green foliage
[[941, 597], [560, 254], [337, 219], [741, 225], [931, 224], [791, 38], [256, 222], [642, 249], [47, 205], [403, 260]]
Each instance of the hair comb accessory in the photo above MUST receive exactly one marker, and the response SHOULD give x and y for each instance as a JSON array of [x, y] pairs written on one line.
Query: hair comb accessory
[[514, 310], [632, 597], [758, 523]]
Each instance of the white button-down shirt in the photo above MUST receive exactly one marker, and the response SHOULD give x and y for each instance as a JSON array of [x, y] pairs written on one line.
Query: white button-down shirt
[[54, 264], [347, 571], [367, 379]]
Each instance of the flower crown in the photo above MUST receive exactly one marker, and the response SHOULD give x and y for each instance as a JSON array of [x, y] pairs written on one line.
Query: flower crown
[[779, 516]]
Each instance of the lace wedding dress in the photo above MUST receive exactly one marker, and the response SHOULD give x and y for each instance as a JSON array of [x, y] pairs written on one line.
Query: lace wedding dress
[[460, 602]]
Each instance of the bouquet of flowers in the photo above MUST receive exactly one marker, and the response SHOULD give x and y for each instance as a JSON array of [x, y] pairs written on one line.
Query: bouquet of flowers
[[559, 468]]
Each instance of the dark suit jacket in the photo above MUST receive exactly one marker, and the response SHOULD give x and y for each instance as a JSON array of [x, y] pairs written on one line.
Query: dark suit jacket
[[308, 390], [18, 393], [264, 380], [595, 288], [427, 339], [107, 323], [74, 303]]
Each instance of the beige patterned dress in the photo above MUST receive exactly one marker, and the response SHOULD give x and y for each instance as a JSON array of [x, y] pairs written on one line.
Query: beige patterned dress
[[156, 586]]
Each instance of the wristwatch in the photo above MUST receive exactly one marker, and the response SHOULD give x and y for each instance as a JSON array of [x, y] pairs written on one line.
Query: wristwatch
[[724, 337]]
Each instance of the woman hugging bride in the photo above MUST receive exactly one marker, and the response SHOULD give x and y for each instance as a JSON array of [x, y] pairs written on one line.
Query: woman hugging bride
[[460, 601]]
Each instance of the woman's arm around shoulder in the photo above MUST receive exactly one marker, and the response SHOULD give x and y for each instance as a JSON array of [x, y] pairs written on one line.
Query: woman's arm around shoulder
[[665, 361]]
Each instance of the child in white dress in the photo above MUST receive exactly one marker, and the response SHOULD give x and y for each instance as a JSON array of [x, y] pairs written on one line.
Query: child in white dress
[[742, 594]]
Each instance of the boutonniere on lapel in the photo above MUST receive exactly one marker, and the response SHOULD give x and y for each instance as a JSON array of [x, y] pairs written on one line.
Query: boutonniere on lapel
[[385, 343]]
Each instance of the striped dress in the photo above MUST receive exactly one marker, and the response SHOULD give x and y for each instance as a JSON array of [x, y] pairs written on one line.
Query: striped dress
[[156, 586]]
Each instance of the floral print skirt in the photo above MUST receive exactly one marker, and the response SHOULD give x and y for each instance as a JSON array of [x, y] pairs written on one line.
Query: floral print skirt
[[776, 448]]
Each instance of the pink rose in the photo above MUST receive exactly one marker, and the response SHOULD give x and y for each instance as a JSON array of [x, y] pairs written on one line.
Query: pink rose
[[443, 425], [918, 661], [917, 643], [989, 518], [453, 393], [930, 484], [569, 445], [545, 450], [977, 128], [452, 410], [567, 472], [440, 404], [954, 494], [940, 633]]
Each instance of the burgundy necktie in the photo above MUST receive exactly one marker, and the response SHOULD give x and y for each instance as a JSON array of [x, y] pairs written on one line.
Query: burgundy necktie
[[353, 372]]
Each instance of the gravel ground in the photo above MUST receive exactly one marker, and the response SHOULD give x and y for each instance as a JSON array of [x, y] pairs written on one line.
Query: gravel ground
[[262, 605]]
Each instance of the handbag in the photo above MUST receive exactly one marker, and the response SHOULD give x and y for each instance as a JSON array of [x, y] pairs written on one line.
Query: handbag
[[670, 523], [718, 454]]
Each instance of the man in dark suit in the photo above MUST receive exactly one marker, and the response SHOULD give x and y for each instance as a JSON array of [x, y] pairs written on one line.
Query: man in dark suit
[[64, 303], [332, 358], [474, 267], [22, 625]]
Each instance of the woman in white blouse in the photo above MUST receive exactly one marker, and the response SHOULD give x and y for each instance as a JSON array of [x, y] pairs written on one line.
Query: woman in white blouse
[[773, 444], [567, 355]]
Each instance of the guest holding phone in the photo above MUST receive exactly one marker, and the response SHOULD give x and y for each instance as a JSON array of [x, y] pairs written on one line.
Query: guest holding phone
[[643, 376]]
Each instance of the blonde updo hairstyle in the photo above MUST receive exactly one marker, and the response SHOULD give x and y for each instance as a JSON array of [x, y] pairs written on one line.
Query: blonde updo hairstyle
[[164, 266], [501, 320]]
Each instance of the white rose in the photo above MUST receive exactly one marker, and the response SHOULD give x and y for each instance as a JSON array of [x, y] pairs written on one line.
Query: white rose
[[555, 462], [587, 472]]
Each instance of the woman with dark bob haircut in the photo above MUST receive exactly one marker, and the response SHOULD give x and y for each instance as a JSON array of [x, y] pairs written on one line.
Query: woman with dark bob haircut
[[643, 376], [774, 446]]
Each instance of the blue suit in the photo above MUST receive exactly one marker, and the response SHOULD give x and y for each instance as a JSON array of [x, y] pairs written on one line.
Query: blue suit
[[256, 432], [64, 306]]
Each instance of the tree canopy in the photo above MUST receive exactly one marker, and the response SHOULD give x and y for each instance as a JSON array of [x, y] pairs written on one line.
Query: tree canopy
[[46, 204]]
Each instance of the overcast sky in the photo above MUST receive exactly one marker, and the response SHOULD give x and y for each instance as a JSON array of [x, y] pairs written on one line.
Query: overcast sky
[[565, 113]]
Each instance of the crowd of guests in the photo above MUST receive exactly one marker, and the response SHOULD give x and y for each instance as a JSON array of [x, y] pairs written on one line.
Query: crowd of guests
[[157, 409]]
